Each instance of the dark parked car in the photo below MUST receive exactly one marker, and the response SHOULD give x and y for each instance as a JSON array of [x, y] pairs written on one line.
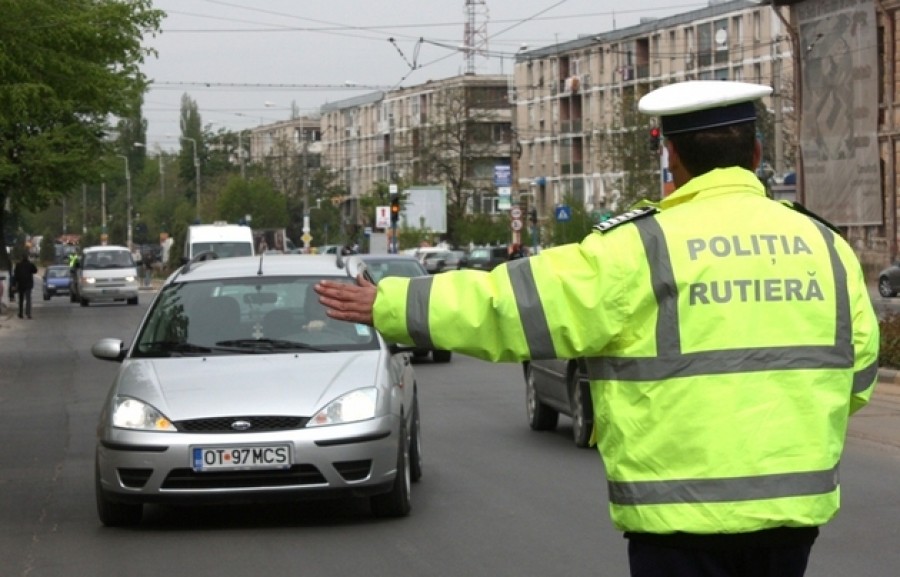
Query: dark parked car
[[56, 281], [382, 265], [889, 281], [486, 257], [559, 386], [441, 261]]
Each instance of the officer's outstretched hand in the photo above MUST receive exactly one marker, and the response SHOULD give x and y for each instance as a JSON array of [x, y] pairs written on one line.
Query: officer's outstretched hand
[[348, 302]]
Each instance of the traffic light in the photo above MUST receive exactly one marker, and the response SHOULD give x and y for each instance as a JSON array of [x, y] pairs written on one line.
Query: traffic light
[[655, 138], [532, 215], [395, 208]]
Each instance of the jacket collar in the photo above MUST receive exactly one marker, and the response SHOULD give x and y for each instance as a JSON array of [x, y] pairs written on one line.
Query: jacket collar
[[715, 182]]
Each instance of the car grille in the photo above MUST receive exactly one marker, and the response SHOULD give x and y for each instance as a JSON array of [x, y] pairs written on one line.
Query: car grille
[[257, 424], [296, 475]]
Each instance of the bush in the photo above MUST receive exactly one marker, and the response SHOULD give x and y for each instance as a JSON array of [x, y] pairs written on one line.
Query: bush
[[890, 341]]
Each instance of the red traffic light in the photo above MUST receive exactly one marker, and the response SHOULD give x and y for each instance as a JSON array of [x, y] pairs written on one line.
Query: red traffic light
[[655, 137]]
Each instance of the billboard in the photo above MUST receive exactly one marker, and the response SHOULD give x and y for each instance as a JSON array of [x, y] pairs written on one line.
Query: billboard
[[425, 207]]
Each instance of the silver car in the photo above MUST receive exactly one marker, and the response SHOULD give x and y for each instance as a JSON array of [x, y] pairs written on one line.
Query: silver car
[[237, 387]]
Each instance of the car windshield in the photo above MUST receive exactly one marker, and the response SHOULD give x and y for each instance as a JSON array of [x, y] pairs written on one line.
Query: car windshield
[[58, 272], [224, 249], [480, 253], [246, 316], [108, 259]]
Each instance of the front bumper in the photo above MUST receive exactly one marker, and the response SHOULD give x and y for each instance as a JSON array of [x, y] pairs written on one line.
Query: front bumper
[[356, 459]]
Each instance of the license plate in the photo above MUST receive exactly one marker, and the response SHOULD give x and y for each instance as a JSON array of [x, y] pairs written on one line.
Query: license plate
[[239, 458]]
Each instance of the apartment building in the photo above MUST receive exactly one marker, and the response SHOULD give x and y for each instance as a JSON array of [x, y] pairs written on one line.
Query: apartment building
[[290, 150], [576, 115], [450, 132]]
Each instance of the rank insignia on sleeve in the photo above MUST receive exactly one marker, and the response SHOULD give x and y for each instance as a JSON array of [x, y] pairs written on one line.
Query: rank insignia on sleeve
[[625, 217]]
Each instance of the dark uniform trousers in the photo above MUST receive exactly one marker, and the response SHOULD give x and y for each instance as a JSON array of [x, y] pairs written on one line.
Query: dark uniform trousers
[[773, 553]]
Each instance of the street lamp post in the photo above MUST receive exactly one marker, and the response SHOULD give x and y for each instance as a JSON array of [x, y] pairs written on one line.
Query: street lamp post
[[197, 172], [128, 226]]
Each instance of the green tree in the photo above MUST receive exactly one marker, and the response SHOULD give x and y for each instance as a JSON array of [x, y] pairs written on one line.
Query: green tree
[[256, 197], [66, 68]]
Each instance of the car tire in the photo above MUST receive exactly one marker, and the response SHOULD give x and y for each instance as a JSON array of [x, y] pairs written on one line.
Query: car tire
[[72, 298], [46, 297], [396, 502], [133, 301], [415, 444], [541, 417], [441, 356], [84, 302], [113, 513], [884, 287], [582, 411]]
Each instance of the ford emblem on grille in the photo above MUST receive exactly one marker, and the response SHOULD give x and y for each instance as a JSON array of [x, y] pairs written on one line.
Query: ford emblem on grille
[[241, 425]]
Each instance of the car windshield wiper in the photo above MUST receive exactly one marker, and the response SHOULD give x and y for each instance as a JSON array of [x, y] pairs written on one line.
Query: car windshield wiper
[[169, 347], [267, 345]]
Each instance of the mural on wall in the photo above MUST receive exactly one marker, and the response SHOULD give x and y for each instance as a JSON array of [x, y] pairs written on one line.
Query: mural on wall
[[839, 60]]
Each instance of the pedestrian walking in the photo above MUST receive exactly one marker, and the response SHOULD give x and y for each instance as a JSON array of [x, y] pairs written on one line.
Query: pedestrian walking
[[721, 432], [23, 276]]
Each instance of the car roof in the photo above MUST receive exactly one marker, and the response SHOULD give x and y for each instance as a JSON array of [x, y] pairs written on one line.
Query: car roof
[[250, 266], [375, 257]]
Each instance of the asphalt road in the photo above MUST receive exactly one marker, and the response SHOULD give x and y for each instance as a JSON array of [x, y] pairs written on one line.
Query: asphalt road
[[496, 498]]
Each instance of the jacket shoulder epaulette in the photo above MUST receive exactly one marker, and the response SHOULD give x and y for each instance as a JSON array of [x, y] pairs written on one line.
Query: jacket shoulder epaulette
[[625, 217], [796, 206]]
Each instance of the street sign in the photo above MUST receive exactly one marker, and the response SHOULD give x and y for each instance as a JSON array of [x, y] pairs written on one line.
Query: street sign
[[382, 217], [306, 238], [515, 212], [563, 213], [516, 225]]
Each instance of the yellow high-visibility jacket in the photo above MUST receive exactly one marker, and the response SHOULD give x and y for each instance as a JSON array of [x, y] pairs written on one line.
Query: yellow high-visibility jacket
[[728, 339]]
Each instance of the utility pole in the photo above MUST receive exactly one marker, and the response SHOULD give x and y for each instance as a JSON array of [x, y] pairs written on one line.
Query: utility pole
[[779, 108]]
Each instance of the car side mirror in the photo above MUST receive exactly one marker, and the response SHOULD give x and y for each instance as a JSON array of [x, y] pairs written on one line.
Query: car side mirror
[[109, 350]]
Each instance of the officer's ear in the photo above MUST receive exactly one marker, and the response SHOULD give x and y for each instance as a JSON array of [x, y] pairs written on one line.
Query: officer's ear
[[757, 154]]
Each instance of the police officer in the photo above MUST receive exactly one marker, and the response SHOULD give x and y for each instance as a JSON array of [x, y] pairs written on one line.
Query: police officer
[[728, 339]]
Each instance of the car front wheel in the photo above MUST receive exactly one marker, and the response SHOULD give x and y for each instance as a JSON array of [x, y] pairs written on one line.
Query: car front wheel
[[441, 356], [582, 413], [113, 513], [415, 444], [396, 502], [884, 287], [540, 416]]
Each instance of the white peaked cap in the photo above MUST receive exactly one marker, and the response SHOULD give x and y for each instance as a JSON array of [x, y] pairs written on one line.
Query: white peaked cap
[[700, 104]]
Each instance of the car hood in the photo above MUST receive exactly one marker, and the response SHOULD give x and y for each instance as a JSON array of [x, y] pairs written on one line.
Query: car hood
[[58, 281], [253, 384]]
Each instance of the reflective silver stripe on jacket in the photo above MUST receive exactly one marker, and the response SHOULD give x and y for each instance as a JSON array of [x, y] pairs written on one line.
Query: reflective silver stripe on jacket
[[723, 490], [419, 294], [671, 362], [531, 310]]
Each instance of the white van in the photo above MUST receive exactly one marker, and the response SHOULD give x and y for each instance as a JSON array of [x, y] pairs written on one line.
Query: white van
[[223, 239], [104, 273]]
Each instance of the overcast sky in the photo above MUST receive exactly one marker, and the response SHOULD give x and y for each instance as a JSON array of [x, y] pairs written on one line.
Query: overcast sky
[[247, 62]]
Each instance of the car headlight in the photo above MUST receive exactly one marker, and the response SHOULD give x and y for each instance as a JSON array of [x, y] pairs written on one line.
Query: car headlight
[[128, 413], [88, 280], [358, 405], [129, 278]]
